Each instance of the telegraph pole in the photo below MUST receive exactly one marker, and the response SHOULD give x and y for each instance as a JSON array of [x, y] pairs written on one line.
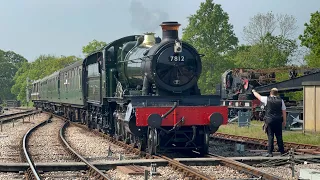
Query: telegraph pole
[[27, 91]]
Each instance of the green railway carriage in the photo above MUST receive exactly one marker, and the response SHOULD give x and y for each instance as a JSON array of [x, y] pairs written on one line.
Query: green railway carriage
[[64, 86], [52, 87], [43, 90], [70, 84]]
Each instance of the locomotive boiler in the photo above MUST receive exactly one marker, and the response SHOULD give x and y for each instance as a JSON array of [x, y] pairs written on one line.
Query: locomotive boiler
[[172, 68], [142, 90]]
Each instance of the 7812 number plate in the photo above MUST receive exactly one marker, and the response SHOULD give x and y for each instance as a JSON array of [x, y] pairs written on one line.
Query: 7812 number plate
[[176, 58]]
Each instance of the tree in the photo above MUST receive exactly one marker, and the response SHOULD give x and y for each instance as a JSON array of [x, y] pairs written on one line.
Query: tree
[[43, 66], [311, 39], [270, 52], [93, 46], [10, 62], [211, 34], [260, 25]]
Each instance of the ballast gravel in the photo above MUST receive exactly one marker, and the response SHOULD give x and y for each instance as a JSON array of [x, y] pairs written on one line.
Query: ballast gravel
[[165, 173], [94, 148], [44, 144], [66, 175], [220, 172], [285, 171], [11, 137], [230, 150], [11, 176]]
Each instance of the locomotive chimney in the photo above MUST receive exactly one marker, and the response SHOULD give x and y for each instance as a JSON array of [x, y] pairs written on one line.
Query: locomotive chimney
[[170, 30], [149, 39]]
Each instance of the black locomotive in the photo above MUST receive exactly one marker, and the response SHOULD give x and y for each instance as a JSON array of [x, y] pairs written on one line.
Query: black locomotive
[[140, 89]]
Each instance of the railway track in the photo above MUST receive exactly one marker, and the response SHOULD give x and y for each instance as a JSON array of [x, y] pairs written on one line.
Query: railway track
[[18, 115], [186, 170], [262, 143], [244, 168], [92, 169], [31, 172]]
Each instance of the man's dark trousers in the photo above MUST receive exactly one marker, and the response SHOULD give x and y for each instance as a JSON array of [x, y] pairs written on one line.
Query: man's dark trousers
[[275, 128]]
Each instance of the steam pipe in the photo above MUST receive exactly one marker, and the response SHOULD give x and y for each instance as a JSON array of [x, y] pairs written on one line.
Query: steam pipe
[[170, 111], [145, 86]]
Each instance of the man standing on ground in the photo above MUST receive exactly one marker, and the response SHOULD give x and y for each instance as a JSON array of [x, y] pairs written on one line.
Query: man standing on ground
[[275, 118]]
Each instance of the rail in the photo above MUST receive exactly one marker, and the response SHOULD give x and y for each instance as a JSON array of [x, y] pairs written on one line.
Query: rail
[[92, 169], [187, 171], [245, 168], [194, 174], [14, 114], [302, 148], [31, 172]]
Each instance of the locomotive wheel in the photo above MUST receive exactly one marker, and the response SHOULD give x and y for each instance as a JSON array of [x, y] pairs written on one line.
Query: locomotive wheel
[[90, 121], [141, 144], [206, 137], [152, 141]]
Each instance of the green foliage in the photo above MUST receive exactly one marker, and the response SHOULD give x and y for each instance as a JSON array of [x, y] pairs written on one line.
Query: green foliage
[[271, 51], [10, 62], [311, 35], [211, 34], [311, 40], [93, 46], [313, 60], [43, 66]]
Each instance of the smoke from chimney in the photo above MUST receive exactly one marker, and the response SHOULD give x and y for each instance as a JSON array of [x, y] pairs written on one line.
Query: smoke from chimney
[[144, 19]]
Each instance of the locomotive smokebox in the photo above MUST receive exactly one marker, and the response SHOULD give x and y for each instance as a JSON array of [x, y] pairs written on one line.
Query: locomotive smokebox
[[170, 30]]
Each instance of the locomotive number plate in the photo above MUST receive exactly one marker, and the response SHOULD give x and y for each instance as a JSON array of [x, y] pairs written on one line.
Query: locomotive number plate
[[176, 59]]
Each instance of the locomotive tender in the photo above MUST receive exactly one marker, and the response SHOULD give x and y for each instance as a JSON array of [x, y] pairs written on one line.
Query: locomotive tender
[[140, 89]]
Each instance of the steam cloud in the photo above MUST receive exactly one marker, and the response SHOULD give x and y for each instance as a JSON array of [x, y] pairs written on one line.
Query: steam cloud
[[146, 20]]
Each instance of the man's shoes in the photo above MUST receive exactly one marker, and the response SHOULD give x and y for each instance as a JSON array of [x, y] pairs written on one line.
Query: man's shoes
[[268, 155]]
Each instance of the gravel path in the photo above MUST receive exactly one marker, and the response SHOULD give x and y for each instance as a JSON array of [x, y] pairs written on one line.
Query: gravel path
[[93, 147], [11, 176], [166, 173], [285, 171], [44, 144], [220, 172], [229, 150], [11, 137]]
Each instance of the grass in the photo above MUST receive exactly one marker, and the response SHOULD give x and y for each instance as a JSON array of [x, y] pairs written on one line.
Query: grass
[[255, 131]]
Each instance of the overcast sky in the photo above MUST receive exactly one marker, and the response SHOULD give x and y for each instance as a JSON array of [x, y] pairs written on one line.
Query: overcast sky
[[62, 27]]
